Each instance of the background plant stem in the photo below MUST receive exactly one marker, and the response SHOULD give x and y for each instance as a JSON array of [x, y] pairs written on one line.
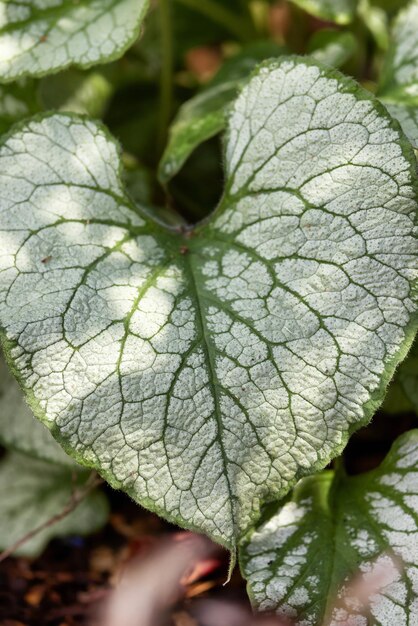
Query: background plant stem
[[166, 76]]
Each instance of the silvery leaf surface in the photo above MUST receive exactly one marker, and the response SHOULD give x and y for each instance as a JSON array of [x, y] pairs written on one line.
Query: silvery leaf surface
[[205, 370], [38, 37], [338, 535]]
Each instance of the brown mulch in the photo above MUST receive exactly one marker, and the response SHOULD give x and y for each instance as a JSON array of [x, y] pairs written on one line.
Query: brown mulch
[[65, 586]]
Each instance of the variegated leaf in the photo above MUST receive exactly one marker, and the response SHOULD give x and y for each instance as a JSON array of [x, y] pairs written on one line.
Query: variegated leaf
[[343, 550], [399, 80], [38, 37], [203, 370]]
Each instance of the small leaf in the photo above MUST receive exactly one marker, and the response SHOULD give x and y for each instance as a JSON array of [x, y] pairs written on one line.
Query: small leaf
[[338, 11], [204, 370], [303, 560], [20, 430], [205, 115], [33, 492], [398, 87], [332, 47], [38, 37], [199, 119]]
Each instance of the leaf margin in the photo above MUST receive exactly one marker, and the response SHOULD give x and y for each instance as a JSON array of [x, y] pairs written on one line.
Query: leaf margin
[[114, 56], [376, 398]]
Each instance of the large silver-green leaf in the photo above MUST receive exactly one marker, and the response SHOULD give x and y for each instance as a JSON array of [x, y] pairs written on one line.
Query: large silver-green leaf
[[338, 11], [399, 79], [33, 492], [38, 37], [20, 430], [301, 560], [204, 370]]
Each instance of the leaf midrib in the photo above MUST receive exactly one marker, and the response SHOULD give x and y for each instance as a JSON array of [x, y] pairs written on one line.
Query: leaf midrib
[[211, 370]]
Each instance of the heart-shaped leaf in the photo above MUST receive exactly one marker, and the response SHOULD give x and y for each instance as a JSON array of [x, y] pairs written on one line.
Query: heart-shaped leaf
[[19, 430], [204, 370], [340, 539], [399, 80], [38, 37], [33, 492], [338, 11]]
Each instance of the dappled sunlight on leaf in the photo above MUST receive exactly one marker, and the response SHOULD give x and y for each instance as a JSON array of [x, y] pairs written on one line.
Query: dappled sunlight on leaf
[[37, 38]]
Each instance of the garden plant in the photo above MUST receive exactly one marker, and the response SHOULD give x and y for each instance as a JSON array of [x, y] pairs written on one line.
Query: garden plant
[[208, 280]]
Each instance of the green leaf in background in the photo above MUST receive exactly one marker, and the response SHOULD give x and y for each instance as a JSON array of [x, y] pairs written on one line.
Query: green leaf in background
[[32, 492], [377, 22], [204, 371], [403, 391], [138, 180], [76, 91], [407, 376], [338, 11], [213, 21], [20, 430], [199, 119], [309, 558], [205, 115], [398, 87], [407, 116], [332, 47], [133, 117], [390, 6], [38, 37], [16, 102]]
